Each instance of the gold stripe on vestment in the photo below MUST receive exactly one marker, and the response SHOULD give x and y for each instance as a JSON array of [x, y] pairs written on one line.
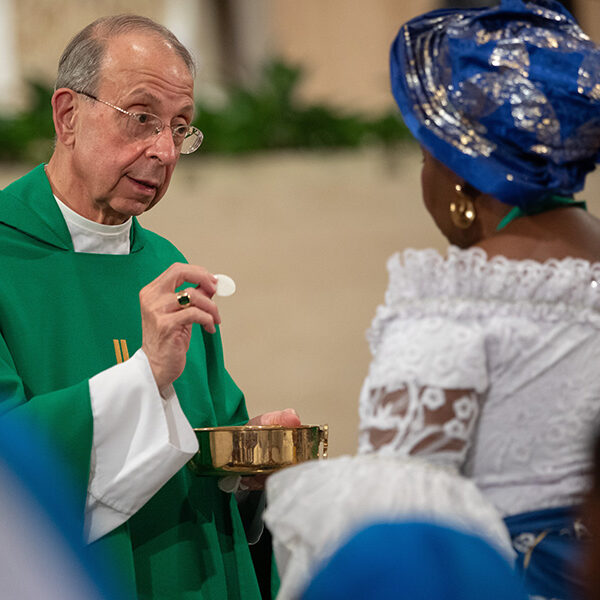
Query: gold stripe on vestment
[[118, 351], [124, 349]]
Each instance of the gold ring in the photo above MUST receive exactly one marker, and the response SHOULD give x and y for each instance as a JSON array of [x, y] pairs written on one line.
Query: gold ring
[[184, 299]]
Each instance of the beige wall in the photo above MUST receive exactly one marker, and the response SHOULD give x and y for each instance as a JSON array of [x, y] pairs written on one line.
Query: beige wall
[[45, 27], [344, 45], [588, 13]]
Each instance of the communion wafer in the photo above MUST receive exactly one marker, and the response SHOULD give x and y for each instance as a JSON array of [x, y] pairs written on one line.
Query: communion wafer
[[225, 285]]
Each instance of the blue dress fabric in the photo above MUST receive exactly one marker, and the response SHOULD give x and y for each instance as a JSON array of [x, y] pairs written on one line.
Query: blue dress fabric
[[37, 521], [549, 544], [416, 560], [507, 97]]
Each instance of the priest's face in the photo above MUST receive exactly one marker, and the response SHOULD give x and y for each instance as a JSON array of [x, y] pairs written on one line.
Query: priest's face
[[114, 173]]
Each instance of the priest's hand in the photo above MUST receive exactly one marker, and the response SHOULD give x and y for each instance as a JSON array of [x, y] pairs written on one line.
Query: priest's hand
[[286, 418], [167, 317]]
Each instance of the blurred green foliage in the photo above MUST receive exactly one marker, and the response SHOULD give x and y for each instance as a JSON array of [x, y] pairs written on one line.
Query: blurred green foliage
[[29, 136], [269, 116], [266, 116]]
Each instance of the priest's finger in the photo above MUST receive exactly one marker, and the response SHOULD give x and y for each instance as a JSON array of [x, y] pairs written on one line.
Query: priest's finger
[[192, 315], [179, 273], [192, 297]]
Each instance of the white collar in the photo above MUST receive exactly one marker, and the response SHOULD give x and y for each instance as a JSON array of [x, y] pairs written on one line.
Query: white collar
[[95, 238]]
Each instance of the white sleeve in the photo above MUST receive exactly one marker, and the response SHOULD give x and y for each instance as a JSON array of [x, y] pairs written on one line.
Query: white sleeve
[[141, 439], [423, 391]]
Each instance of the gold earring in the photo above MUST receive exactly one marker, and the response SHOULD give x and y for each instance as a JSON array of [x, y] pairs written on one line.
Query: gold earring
[[462, 211]]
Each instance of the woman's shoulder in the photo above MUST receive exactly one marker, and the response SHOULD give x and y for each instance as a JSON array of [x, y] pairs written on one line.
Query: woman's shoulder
[[472, 277], [469, 290], [479, 264]]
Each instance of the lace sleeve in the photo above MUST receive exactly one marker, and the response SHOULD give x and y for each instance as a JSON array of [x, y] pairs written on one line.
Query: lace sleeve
[[426, 421], [421, 395]]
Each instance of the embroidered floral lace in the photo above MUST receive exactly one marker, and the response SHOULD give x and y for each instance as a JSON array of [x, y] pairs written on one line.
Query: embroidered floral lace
[[492, 366]]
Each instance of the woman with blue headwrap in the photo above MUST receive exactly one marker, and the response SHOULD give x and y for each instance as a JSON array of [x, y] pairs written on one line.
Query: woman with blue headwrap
[[487, 360], [505, 103]]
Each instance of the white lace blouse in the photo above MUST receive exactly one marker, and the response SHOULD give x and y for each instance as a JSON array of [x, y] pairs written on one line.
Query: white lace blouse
[[489, 365]]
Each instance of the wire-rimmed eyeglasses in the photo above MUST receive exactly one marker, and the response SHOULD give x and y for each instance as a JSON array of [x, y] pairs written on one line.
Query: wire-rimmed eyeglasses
[[143, 125]]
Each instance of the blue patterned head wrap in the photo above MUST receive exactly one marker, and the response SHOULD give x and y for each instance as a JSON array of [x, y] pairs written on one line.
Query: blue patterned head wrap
[[507, 97]]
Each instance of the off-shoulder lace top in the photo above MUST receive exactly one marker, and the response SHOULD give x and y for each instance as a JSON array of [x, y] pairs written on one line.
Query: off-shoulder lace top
[[492, 365]]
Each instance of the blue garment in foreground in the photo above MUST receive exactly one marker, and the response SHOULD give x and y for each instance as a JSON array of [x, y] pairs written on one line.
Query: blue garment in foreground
[[548, 544], [506, 97], [43, 553], [415, 560]]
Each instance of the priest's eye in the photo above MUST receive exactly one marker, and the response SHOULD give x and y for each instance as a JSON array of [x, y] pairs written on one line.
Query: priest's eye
[[141, 126], [180, 132]]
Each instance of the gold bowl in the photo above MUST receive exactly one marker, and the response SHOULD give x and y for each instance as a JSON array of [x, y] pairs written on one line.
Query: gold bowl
[[254, 449]]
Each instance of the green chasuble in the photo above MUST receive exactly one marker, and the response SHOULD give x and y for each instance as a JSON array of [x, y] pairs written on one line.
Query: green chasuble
[[66, 316]]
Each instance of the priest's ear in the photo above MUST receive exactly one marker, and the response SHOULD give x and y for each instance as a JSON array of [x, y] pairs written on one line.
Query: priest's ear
[[64, 113]]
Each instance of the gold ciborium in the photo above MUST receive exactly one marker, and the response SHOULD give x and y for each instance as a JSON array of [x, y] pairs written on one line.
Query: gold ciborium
[[254, 449]]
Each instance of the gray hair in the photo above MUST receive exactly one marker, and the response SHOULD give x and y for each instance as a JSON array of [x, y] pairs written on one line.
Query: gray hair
[[79, 67]]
